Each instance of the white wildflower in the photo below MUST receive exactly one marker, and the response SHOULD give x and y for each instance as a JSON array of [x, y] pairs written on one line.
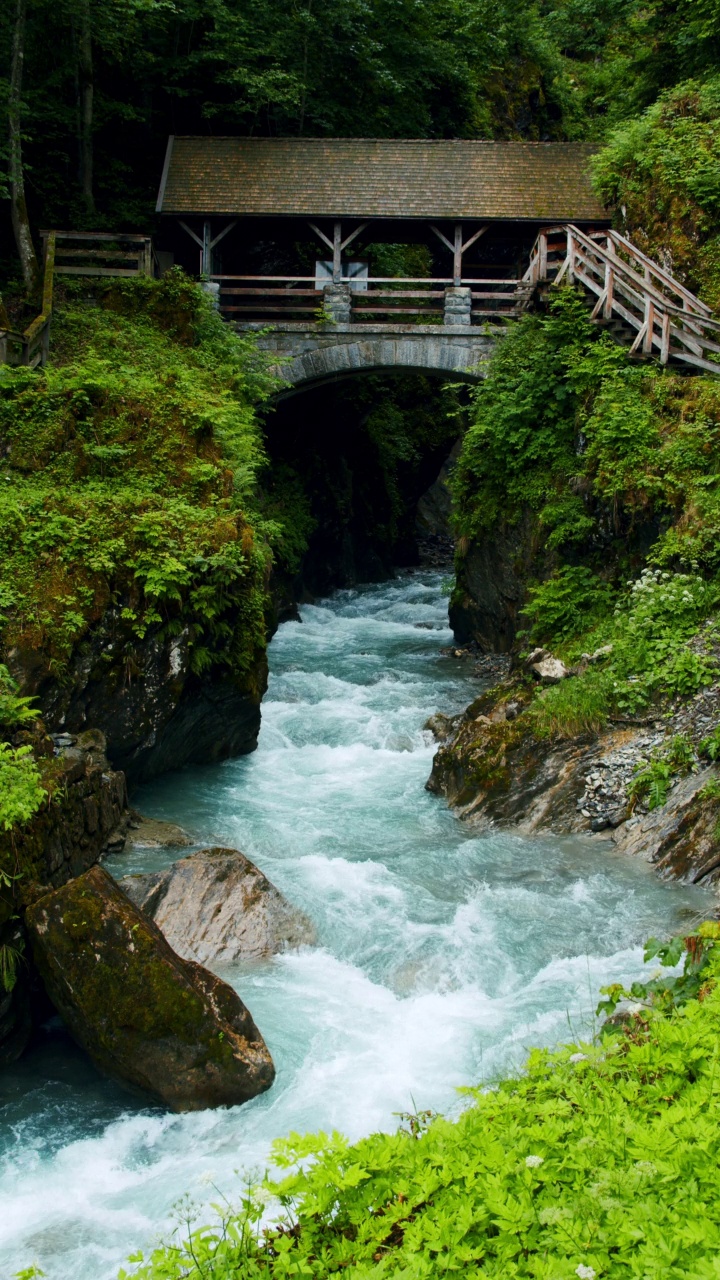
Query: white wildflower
[[585, 1273], [578, 1057], [534, 1162]]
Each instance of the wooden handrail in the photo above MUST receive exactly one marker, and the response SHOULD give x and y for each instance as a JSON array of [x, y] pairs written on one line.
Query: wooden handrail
[[641, 301]]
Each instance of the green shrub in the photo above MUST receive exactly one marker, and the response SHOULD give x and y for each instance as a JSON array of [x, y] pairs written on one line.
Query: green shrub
[[600, 1160], [566, 604], [21, 791]]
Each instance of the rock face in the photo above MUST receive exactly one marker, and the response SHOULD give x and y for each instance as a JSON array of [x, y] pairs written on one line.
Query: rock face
[[495, 771], [491, 587], [217, 907], [680, 837], [148, 1018], [164, 716]]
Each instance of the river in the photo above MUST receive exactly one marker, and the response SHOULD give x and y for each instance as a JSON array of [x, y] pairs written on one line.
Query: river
[[442, 954]]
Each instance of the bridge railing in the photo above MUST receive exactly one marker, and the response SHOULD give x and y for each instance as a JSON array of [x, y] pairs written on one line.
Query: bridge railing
[[411, 299], [663, 317]]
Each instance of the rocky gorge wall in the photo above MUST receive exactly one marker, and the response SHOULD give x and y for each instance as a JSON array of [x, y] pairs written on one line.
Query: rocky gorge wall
[[156, 713]]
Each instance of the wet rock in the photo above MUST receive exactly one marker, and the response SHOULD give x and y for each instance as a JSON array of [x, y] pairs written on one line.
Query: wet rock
[[164, 717], [441, 726], [680, 837], [146, 1017], [153, 833], [217, 907], [491, 585]]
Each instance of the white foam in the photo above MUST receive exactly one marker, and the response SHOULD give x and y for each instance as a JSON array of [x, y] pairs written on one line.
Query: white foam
[[442, 955]]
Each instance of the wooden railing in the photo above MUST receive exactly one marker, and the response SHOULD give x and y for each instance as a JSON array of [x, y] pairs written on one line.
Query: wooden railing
[[102, 253], [74, 253], [30, 348], [420, 297], [663, 317]]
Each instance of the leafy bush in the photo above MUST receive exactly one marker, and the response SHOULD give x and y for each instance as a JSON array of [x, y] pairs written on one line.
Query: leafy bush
[[566, 604], [600, 1160], [663, 169], [128, 477], [652, 781], [21, 791]]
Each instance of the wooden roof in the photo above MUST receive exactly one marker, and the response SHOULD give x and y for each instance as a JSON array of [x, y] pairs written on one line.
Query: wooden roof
[[372, 178]]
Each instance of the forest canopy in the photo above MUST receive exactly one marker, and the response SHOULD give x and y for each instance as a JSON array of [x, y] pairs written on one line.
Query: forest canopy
[[105, 81]]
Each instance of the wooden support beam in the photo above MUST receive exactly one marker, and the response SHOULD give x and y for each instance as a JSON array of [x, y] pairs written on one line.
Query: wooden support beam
[[472, 239], [190, 232], [457, 255], [206, 258], [349, 239], [665, 341], [321, 235], [649, 326], [337, 253], [216, 239]]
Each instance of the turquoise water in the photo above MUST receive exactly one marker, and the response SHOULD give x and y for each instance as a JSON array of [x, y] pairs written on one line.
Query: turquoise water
[[442, 955]]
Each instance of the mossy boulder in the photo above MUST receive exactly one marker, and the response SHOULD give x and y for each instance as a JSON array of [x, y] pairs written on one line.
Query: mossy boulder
[[155, 1022]]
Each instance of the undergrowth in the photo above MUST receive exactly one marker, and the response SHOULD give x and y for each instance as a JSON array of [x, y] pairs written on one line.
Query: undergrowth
[[127, 476], [600, 1160]]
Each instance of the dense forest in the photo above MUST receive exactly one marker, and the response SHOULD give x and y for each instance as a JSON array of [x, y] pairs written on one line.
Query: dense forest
[[100, 86], [153, 503]]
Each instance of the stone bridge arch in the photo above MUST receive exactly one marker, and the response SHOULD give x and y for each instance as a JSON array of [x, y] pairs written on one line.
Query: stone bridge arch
[[306, 359]]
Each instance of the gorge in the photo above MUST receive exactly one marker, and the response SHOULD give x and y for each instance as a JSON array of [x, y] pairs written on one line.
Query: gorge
[[442, 955]]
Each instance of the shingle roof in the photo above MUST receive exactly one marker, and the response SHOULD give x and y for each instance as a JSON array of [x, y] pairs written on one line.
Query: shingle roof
[[371, 178]]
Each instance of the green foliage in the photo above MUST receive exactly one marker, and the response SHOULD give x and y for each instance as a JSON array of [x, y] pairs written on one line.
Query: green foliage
[[21, 791], [663, 169], [580, 705], [566, 603], [696, 950], [15, 711], [599, 1160], [129, 476], [652, 781], [10, 961]]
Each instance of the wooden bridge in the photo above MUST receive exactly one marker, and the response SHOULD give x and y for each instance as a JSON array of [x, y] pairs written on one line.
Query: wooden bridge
[[284, 234]]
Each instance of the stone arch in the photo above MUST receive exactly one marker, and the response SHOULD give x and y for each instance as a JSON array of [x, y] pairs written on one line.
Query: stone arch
[[304, 361]]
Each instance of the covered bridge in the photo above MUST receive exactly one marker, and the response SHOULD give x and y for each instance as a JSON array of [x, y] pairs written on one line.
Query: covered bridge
[[290, 226]]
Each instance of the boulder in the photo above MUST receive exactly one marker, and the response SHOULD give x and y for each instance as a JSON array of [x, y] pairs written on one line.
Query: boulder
[[550, 670], [217, 907], [154, 833], [145, 1016]]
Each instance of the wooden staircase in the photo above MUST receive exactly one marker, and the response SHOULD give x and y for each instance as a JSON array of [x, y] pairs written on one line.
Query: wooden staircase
[[640, 303]]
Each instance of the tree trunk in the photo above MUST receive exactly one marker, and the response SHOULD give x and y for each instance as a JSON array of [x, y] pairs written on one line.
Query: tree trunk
[[20, 220], [85, 78]]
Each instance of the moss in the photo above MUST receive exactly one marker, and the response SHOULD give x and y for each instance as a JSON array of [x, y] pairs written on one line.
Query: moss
[[127, 482]]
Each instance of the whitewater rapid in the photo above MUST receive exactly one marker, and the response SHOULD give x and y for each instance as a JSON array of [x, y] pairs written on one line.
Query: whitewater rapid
[[442, 954]]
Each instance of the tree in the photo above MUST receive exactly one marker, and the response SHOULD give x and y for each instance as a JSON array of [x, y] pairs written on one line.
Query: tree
[[18, 204]]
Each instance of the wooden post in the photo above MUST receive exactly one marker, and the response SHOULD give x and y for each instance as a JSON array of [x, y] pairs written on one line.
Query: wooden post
[[649, 326], [570, 255], [665, 343], [337, 253], [609, 291], [206, 258], [457, 255], [542, 254]]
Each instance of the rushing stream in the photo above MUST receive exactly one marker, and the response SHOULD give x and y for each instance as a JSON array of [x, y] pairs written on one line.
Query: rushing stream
[[442, 955]]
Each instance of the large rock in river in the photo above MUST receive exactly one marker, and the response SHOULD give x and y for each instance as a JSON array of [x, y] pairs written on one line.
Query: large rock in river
[[217, 907], [145, 1016]]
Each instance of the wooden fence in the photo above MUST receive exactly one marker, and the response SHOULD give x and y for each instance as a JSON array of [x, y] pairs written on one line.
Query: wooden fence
[[413, 299], [74, 253], [661, 316]]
